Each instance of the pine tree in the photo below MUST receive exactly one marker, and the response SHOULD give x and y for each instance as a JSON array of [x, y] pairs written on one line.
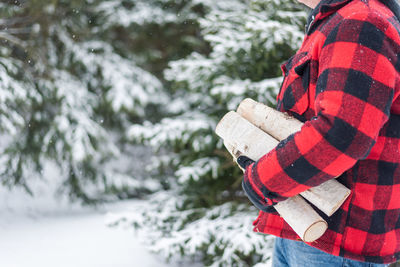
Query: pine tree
[[69, 87], [205, 214]]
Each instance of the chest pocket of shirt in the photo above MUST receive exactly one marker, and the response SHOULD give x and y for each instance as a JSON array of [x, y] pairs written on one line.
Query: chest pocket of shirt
[[293, 96]]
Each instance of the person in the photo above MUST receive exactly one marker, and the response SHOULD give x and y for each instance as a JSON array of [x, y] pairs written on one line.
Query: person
[[344, 83]]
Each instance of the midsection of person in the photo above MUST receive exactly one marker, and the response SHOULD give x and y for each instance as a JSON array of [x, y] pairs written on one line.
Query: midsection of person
[[344, 83]]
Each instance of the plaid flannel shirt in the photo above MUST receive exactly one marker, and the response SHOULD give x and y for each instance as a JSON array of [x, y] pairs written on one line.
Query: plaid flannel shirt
[[344, 82]]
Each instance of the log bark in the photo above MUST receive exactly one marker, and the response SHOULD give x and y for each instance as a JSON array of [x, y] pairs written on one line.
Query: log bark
[[242, 137], [277, 124], [234, 153], [329, 196]]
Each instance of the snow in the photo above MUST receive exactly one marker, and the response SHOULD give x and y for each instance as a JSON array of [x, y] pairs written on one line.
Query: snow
[[197, 169], [218, 233], [70, 240], [46, 232]]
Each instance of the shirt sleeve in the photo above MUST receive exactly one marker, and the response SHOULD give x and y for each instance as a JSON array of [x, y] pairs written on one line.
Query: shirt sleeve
[[354, 93]]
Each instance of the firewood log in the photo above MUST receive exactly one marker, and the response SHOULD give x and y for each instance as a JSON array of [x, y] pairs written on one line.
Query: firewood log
[[329, 196], [242, 137], [277, 124]]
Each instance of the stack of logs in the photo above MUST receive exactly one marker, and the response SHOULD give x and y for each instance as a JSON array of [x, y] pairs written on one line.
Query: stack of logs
[[254, 130]]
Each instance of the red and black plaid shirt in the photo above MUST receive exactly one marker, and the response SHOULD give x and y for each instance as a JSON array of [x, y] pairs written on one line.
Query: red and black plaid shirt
[[344, 82]]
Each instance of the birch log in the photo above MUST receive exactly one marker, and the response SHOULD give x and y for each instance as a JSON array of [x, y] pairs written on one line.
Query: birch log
[[277, 124], [329, 196], [240, 136]]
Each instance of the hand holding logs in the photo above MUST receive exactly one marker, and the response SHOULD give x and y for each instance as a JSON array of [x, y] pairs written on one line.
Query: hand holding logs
[[254, 133], [329, 196]]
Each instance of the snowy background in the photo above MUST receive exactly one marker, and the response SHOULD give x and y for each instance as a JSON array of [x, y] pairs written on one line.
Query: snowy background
[[69, 237], [50, 231]]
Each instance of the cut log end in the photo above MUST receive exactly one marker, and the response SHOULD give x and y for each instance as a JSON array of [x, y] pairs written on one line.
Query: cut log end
[[340, 203], [328, 196], [315, 231], [224, 124], [244, 136], [245, 105], [303, 219]]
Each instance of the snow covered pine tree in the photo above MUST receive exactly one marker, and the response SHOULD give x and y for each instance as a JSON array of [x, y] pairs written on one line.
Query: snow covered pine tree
[[68, 90], [204, 214]]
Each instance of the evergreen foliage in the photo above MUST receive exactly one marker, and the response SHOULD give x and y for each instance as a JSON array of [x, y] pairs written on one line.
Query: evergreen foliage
[[80, 78], [248, 41], [71, 81]]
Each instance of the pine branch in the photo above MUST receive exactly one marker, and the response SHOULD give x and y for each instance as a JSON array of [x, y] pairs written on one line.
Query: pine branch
[[12, 21], [18, 30], [8, 37]]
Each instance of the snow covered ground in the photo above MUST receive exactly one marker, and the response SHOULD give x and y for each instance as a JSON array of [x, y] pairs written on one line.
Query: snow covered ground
[[42, 232], [74, 239]]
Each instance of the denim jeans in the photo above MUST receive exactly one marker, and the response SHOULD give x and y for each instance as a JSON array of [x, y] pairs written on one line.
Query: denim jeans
[[289, 253]]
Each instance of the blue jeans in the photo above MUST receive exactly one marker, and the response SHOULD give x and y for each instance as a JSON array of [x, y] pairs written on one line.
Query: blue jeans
[[289, 253]]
